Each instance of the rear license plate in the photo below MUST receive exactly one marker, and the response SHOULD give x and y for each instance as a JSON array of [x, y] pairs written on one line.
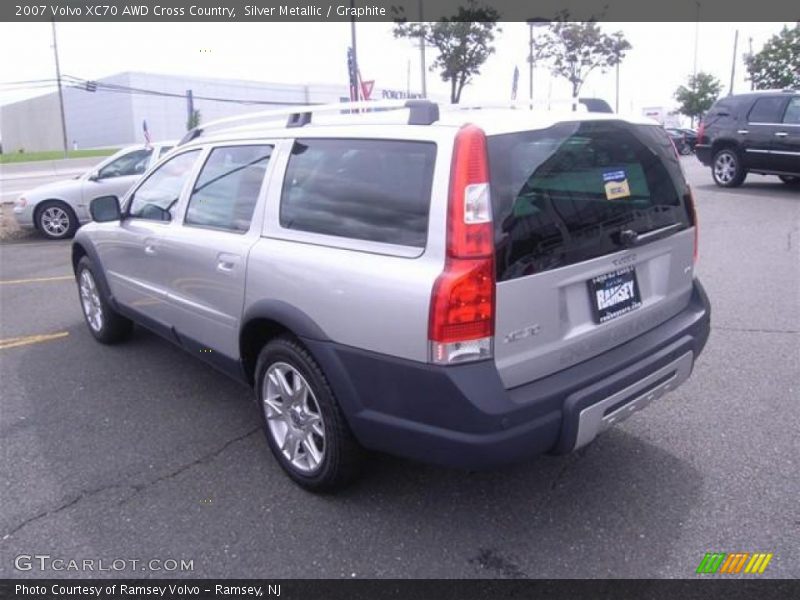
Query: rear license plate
[[614, 294]]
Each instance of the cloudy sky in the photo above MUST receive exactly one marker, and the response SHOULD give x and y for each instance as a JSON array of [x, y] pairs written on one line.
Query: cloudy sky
[[661, 58]]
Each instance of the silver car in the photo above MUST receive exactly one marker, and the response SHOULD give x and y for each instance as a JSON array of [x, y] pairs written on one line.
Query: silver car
[[465, 287], [58, 209]]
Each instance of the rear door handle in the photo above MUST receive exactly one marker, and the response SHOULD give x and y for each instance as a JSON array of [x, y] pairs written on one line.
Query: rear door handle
[[227, 262], [743, 131], [781, 134], [150, 249]]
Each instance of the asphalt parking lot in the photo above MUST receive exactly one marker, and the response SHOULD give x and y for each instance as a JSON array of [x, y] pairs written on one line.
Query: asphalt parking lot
[[140, 451]]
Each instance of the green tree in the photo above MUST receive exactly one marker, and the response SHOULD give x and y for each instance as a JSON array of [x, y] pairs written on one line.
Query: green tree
[[695, 99], [464, 42], [193, 120], [575, 49], [777, 65]]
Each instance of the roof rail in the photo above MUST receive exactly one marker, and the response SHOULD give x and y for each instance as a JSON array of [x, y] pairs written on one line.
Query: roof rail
[[421, 112]]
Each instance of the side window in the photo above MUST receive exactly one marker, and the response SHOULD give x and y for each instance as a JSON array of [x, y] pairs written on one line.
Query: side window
[[792, 114], [155, 198], [132, 163], [376, 190], [766, 110], [227, 188]]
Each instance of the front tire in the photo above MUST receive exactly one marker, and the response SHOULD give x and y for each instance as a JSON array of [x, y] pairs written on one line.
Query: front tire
[[727, 169], [105, 324], [304, 425], [56, 220]]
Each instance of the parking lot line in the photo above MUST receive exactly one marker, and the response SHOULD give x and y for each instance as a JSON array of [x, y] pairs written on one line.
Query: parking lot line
[[31, 339], [37, 280]]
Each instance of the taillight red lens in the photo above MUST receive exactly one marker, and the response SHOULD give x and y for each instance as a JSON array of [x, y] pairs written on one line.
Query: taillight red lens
[[701, 130], [462, 304], [469, 231], [462, 311], [689, 198]]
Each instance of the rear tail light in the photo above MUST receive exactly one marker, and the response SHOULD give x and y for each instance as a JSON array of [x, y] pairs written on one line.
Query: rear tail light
[[695, 223], [462, 313], [701, 130]]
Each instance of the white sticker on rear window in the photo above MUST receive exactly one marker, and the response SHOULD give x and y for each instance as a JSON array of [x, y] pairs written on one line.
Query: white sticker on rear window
[[616, 184]]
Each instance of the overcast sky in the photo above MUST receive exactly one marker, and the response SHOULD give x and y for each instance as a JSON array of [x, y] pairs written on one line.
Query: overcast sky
[[661, 58]]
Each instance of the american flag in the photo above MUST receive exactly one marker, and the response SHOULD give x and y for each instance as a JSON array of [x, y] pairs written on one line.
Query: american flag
[[146, 133]]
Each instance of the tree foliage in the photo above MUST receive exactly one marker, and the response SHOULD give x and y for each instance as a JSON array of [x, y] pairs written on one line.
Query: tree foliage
[[464, 42], [574, 49], [695, 99], [777, 65]]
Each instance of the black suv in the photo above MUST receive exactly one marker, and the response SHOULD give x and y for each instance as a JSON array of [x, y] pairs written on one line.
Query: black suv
[[757, 132]]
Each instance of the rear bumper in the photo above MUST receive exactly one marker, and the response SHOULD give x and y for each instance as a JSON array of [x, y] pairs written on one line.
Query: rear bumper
[[462, 416], [703, 153]]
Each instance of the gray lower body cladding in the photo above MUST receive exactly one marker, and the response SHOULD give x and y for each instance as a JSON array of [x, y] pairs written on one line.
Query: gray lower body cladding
[[462, 416]]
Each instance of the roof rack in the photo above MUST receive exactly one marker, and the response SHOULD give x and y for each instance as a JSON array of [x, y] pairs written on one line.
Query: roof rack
[[421, 112]]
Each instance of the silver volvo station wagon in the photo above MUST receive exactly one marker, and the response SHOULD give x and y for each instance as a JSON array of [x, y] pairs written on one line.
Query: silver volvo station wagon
[[463, 286]]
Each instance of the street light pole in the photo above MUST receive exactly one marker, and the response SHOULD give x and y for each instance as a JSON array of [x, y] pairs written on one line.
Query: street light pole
[[355, 52], [60, 93], [535, 22]]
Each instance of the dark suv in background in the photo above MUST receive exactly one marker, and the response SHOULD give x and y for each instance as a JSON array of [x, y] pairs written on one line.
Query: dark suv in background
[[757, 132]]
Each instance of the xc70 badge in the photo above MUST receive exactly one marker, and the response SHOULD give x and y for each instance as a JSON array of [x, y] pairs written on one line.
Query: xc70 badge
[[520, 334]]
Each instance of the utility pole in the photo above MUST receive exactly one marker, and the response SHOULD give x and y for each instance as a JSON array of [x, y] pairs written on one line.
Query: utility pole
[[355, 52], [616, 97], [60, 92], [733, 63], [750, 40], [696, 38], [422, 68]]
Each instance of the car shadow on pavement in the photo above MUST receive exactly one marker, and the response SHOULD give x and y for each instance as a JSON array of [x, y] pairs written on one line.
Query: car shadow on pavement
[[142, 450]]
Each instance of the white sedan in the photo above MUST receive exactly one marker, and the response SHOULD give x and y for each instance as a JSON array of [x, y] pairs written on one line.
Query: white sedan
[[58, 209]]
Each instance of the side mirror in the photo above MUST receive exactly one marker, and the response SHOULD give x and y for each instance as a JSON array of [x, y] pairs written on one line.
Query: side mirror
[[105, 209], [94, 175]]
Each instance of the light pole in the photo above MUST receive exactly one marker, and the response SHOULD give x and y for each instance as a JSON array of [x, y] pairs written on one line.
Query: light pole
[[60, 93], [534, 22], [696, 38]]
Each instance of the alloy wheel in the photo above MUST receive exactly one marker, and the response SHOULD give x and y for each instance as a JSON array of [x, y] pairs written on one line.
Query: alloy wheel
[[90, 300], [54, 221], [725, 168], [293, 417]]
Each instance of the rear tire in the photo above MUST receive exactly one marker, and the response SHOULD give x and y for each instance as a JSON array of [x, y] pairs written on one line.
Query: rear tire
[[105, 324], [56, 220], [686, 149], [304, 425], [727, 169]]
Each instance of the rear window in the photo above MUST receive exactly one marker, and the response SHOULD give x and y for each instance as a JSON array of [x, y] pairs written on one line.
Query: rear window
[[563, 195], [766, 110], [374, 190]]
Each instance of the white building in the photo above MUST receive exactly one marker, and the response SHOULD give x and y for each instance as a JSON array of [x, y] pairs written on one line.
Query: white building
[[107, 118]]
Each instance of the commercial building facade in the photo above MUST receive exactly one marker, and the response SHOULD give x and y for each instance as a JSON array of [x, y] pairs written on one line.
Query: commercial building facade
[[113, 117]]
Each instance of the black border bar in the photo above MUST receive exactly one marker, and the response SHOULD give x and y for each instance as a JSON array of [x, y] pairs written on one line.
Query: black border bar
[[390, 10], [701, 588]]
